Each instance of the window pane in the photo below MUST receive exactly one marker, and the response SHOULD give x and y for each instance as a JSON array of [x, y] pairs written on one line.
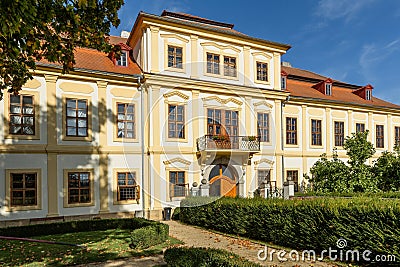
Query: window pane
[[15, 99], [71, 131], [71, 103], [82, 104], [27, 100], [81, 123], [27, 120], [27, 130], [82, 131], [82, 114], [15, 109], [15, 119], [15, 129], [71, 122], [71, 112], [27, 110]]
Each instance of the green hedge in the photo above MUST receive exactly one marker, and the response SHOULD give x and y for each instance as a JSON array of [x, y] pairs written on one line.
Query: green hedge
[[336, 194], [149, 236], [366, 223], [75, 226], [204, 257]]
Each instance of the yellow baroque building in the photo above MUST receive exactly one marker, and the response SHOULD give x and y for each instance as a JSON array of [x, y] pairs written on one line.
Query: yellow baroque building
[[191, 107]]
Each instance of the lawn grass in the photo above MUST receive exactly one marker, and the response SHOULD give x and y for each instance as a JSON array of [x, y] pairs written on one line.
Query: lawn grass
[[101, 246]]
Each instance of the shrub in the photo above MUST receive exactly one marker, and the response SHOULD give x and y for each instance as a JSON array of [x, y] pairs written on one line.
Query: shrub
[[366, 223], [202, 257], [348, 195], [149, 235]]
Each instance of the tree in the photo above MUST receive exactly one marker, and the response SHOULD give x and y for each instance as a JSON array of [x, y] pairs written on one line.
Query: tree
[[359, 149], [33, 30], [337, 176], [387, 170], [329, 176]]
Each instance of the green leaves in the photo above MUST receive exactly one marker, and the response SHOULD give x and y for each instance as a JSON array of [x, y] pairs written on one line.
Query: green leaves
[[33, 30], [355, 176], [367, 223]]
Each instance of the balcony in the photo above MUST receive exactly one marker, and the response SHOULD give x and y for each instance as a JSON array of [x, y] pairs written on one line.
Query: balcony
[[250, 144]]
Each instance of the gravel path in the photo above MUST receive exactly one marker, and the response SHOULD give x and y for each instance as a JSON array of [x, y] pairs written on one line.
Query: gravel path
[[196, 237]]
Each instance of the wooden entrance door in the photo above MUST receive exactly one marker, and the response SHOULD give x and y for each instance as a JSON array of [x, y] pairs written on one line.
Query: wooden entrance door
[[220, 184], [223, 186]]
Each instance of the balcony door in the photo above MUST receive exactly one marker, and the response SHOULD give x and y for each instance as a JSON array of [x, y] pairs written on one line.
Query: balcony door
[[223, 127]]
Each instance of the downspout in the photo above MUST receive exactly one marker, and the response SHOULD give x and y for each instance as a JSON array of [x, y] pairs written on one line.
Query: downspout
[[283, 103], [141, 89]]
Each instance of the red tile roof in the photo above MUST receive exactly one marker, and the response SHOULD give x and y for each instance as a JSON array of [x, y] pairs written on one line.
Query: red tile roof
[[341, 92], [93, 60]]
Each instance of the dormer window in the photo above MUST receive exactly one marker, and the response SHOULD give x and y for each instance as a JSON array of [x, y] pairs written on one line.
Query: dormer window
[[368, 95], [328, 89], [123, 60], [324, 87], [283, 80], [365, 92]]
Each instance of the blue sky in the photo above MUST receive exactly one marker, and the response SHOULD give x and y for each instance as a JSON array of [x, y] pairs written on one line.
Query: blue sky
[[355, 41]]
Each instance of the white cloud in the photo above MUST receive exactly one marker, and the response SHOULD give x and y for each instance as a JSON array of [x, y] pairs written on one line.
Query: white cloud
[[373, 57], [340, 9]]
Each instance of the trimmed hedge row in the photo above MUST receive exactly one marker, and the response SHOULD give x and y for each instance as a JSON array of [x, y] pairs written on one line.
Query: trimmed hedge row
[[336, 194], [366, 223], [149, 236], [204, 257], [75, 226]]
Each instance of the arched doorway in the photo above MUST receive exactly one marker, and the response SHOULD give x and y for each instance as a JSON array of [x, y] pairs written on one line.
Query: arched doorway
[[223, 181]]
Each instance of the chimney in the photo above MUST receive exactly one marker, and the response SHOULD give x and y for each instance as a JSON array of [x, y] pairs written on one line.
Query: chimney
[[125, 34], [286, 64]]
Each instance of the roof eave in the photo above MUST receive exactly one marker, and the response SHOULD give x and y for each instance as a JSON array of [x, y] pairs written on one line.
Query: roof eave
[[142, 15]]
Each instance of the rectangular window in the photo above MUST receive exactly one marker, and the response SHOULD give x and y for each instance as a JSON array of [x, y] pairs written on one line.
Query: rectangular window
[[230, 66], [123, 59], [283, 82], [176, 121], [178, 187], [23, 189], [397, 135], [79, 187], [127, 188], [380, 136], [212, 63], [175, 57], [291, 131], [360, 127], [339, 133], [293, 176], [262, 71], [77, 117], [328, 89], [126, 121], [263, 126], [22, 115], [263, 176], [316, 134], [368, 95], [222, 122]]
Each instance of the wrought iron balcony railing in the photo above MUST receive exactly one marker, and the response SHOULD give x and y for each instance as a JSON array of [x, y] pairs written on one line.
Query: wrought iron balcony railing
[[216, 142]]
